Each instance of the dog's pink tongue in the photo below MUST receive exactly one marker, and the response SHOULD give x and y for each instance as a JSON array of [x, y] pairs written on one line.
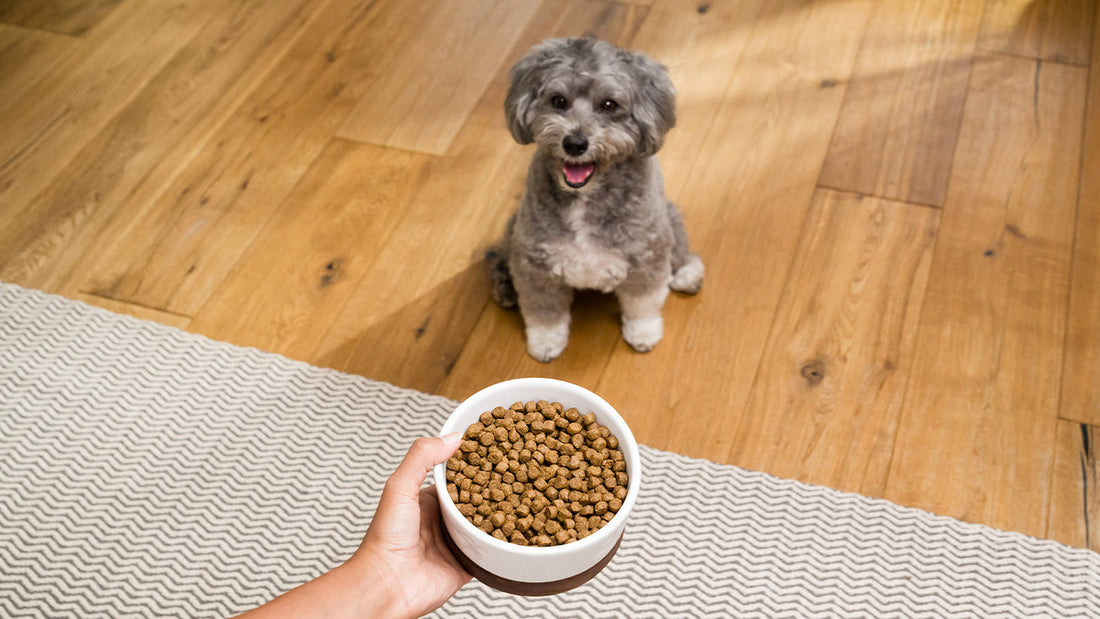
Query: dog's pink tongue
[[577, 173]]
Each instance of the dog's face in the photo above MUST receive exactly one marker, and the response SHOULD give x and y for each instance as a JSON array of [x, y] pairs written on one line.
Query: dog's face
[[588, 104]]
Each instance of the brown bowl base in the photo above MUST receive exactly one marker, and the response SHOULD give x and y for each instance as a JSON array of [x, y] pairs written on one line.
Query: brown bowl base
[[529, 589]]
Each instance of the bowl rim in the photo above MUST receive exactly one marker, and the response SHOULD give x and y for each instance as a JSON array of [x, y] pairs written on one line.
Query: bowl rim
[[545, 552]]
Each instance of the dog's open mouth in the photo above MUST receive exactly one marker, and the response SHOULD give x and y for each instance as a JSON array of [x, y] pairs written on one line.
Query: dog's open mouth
[[577, 175]]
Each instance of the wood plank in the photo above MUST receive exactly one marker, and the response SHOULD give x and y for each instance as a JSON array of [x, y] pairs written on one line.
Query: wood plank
[[825, 405], [73, 17], [295, 278], [977, 429], [699, 49], [1057, 30], [47, 125], [411, 315], [68, 226], [1075, 496], [197, 227], [744, 202], [137, 311], [1081, 370], [27, 55], [420, 102], [700, 43], [900, 119]]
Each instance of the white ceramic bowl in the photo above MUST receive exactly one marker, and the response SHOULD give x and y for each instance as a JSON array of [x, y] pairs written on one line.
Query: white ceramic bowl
[[556, 567]]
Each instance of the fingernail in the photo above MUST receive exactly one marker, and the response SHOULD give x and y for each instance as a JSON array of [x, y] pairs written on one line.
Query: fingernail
[[453, 437]]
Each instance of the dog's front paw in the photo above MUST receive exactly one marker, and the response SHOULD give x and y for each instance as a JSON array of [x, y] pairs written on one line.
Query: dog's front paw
[[689, 277], [546, 342], [644, 333]]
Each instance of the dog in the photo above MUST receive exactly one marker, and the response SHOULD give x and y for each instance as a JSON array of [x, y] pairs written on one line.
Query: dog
[[594, 213]]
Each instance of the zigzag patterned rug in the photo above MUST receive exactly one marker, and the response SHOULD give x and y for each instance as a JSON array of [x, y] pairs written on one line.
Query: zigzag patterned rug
[[147, 472]]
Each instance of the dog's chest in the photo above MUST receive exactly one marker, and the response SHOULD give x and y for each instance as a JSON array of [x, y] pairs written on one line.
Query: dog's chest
[[581, 261]]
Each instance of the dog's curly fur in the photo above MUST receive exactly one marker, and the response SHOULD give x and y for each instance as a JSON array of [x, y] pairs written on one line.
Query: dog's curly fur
[[594, 213]]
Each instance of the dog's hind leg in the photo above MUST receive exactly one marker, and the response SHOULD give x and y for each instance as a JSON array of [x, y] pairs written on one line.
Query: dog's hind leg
[[687, 268]]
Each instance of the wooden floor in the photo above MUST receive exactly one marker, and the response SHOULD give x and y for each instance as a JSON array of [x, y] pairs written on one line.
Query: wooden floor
[[897, 201]]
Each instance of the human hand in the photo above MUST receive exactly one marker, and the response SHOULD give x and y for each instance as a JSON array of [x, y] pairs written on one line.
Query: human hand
[[402, 568], [404, 546]]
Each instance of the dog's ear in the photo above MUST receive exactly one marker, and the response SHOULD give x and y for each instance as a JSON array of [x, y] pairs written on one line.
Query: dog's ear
[[525, 79], [654, 101]]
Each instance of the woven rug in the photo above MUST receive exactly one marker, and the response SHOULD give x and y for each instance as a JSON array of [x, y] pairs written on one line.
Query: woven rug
[[148, 472]]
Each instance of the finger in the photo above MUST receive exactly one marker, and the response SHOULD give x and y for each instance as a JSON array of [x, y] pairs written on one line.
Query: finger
[[431, 531], [404, 484]]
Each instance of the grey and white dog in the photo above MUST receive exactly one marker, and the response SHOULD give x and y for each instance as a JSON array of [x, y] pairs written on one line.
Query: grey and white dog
[[594, 213]]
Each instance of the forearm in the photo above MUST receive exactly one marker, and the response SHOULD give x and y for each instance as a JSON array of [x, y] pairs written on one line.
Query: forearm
[[344, 592]]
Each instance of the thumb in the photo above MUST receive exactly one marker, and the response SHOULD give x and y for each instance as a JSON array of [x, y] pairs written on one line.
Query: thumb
[[425, 453]]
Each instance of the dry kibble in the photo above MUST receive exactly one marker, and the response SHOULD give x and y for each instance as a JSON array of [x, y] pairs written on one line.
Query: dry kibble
[[537, 474]]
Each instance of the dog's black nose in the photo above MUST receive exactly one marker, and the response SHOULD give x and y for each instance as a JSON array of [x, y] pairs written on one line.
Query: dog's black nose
[[574, 145]]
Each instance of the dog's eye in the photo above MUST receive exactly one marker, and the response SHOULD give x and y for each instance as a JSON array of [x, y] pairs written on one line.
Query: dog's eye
[[609, 106], [559, 102]]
